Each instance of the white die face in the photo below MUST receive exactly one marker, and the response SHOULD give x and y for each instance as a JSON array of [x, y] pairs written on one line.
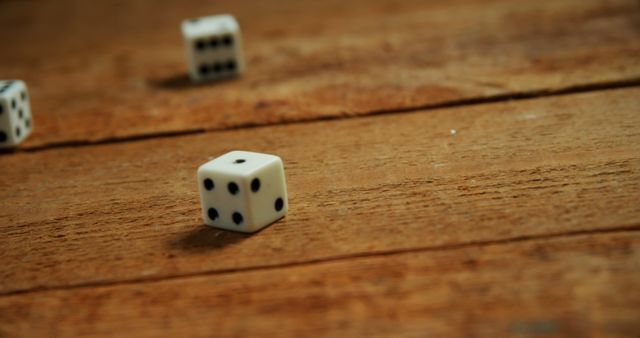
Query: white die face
[[214, 47], [242, 191], [15, 113]]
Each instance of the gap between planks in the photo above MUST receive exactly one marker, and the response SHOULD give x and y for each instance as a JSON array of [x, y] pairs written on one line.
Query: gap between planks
[[516, 96], [438, 248]]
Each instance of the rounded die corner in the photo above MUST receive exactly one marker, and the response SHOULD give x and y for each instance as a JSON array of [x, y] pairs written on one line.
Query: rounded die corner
[[202, 167]]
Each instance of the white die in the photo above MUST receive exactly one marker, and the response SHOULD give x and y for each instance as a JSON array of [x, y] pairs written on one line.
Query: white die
[[15, 113], [242, 191], [214, 47]]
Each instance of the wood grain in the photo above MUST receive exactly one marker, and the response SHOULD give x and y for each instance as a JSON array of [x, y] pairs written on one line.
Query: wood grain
[[130, 211], [109, 69], [581, 286]]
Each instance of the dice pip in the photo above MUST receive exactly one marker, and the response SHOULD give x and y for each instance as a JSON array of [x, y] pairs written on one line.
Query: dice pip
[[15, 113], [242, 191], [214, 47]]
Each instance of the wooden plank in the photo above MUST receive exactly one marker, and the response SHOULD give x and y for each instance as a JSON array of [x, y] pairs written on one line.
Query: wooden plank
[[129, 211], [114, 69], [584, 286]]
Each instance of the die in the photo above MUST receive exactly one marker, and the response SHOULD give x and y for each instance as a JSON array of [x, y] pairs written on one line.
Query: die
[[242, 191], [214, 47], [15, 113]]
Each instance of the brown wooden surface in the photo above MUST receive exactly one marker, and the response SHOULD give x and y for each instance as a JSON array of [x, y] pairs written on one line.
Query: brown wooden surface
[[129, 211], [493, 192], [556, 287], [115, 69]]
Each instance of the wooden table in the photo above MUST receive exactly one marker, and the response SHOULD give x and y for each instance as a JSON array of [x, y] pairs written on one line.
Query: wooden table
[[455, 168]]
